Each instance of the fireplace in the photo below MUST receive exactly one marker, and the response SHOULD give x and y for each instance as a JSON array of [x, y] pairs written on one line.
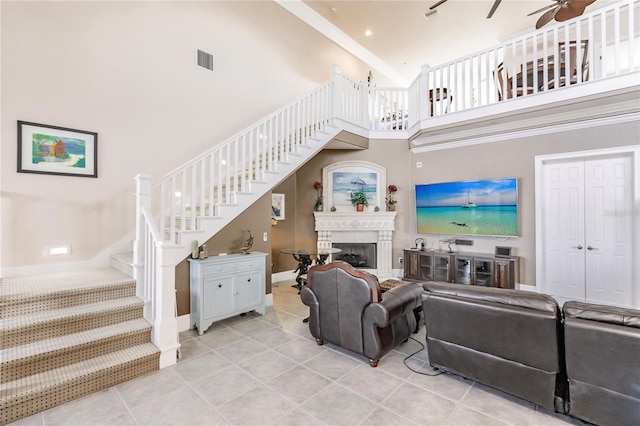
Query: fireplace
[[358, 255], [368, 228]]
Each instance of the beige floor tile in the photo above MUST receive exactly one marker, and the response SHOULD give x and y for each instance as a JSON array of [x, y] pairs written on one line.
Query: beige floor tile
[[331, 364], [468, 417], [297, 418], [274, 337], [259, 406], [267, 365], [446, 385], [147, 388], [195, 369], [242, 350], [414, 403], [300, 350], [215, 339], [97, 408], [225, 385], [252, 327], [298, 384], [179, 407], [372, 383], [393, 363], [336, 405], [382, 417], [191, 348], [499, 405], [546, 417]]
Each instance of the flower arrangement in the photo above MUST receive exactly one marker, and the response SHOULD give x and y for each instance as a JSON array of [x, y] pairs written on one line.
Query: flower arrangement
[[391, 203], [317, 185]]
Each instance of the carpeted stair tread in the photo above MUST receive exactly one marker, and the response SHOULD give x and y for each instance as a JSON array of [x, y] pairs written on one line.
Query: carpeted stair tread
[[67, 313], [30, 285], [16, 331], [28, 294], [40, 391], [31, 358]]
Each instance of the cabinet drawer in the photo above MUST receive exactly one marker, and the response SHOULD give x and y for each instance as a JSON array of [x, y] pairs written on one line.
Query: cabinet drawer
[[252, 264], [219, 269]]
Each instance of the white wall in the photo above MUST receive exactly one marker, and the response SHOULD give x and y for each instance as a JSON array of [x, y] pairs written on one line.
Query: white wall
[[127, 71]]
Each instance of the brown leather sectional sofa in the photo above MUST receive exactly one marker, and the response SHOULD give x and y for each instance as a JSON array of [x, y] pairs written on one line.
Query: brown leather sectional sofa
[[584, 361]]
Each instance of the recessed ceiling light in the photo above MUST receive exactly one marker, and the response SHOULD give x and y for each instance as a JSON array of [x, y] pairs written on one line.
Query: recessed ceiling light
[[368, 33]]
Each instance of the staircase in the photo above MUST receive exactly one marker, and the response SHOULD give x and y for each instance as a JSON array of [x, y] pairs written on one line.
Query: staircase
[[66, 335]]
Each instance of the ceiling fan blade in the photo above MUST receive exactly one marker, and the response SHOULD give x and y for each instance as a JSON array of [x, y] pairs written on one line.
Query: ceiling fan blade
[[572, 9], [542, 9], [493, 8], [546, 18], [437, 4]]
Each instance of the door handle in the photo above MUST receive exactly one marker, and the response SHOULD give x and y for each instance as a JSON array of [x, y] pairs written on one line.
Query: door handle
[[591, 248], [578, 247]]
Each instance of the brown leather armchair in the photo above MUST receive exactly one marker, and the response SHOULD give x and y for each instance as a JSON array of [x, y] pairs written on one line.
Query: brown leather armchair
[[347, 309]]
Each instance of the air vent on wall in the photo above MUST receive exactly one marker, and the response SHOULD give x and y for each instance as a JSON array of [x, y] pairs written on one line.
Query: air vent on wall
[[205, 60]]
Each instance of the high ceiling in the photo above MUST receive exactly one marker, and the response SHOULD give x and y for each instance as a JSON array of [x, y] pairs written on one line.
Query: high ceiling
[[405, 40]]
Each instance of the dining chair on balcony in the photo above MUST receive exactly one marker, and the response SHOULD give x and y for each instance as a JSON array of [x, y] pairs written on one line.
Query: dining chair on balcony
[[570, 76], [501, 75], [439, 95]]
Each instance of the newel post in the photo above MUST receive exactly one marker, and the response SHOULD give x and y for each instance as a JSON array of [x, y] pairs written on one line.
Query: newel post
[[336, 92], [423, 93], [143, 200]]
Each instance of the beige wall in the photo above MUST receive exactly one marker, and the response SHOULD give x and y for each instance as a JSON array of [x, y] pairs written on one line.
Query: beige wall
[[256, 219], [126, 70], [284, 233], [512, 158]]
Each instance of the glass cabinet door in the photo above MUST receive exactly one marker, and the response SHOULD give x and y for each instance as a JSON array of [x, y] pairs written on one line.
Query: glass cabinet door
[[483, 270], [463, 270], [441, 268], [426, 267]]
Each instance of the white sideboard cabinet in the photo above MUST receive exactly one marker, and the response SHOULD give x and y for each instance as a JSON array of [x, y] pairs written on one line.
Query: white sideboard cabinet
[[224, 286]]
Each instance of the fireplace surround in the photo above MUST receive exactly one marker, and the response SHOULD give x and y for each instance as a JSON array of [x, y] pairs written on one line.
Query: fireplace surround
[[354, 227]]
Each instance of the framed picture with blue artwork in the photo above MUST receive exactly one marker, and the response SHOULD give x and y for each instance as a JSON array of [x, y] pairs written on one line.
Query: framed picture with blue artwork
[[346, 178], [54, 150], [277, 206]]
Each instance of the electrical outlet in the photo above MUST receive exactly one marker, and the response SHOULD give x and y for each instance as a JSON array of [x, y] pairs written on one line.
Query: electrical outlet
[[400, 260], [265, 236]]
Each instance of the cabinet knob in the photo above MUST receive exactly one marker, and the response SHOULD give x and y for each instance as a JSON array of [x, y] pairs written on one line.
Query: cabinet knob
[[248, 280], [219, 285]]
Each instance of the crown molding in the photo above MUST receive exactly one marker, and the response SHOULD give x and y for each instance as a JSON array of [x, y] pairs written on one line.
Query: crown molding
[[564, 127], [316, 21]]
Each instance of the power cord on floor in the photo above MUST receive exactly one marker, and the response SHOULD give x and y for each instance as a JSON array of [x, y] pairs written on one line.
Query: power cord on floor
[[409, 356]]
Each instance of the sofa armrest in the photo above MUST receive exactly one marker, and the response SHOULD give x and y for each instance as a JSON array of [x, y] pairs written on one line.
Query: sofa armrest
[[396, 302]]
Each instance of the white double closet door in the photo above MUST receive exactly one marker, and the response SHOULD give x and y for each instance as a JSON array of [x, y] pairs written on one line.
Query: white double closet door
[[588, 229]]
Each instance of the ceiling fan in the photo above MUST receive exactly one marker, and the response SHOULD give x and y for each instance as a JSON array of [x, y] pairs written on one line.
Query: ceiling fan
[[561, 10], [496, 3]]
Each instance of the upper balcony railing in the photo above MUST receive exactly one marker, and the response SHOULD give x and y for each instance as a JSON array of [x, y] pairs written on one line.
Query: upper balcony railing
[[595, 46]]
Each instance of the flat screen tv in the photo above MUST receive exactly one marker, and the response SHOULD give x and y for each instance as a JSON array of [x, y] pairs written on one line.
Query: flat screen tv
[[480, 207]]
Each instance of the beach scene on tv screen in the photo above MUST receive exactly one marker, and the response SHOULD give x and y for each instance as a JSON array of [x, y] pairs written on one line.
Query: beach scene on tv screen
[[483, 207]]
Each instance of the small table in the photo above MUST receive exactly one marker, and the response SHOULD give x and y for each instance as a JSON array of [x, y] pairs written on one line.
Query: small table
[[305, 259]]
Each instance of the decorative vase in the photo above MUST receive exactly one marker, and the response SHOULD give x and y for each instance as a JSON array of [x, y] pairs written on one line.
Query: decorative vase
[[360, 207], [391, 207], [319, 206]]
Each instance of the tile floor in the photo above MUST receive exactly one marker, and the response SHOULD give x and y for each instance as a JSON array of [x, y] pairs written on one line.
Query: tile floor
[[267, 370]]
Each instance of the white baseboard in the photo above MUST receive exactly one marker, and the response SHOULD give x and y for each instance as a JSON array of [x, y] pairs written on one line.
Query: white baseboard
[[268, 299], [527, 287], [184, 322], [283, 276]]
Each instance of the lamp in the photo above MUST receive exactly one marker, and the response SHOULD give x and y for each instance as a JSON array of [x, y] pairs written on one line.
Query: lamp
[[274, 221]]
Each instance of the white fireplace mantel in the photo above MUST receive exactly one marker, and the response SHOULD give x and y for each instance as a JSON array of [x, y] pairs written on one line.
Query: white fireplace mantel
[[360, 227]]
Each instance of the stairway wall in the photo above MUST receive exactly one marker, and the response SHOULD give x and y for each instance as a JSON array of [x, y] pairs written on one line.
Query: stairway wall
[[126, 70], [257, 218]]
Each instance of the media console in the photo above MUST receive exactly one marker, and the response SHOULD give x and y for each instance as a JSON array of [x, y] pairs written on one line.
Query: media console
[[463, 268]]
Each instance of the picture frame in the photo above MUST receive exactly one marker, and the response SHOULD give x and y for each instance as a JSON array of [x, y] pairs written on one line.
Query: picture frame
[[344, 178], [277, 206], [54, 150]]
